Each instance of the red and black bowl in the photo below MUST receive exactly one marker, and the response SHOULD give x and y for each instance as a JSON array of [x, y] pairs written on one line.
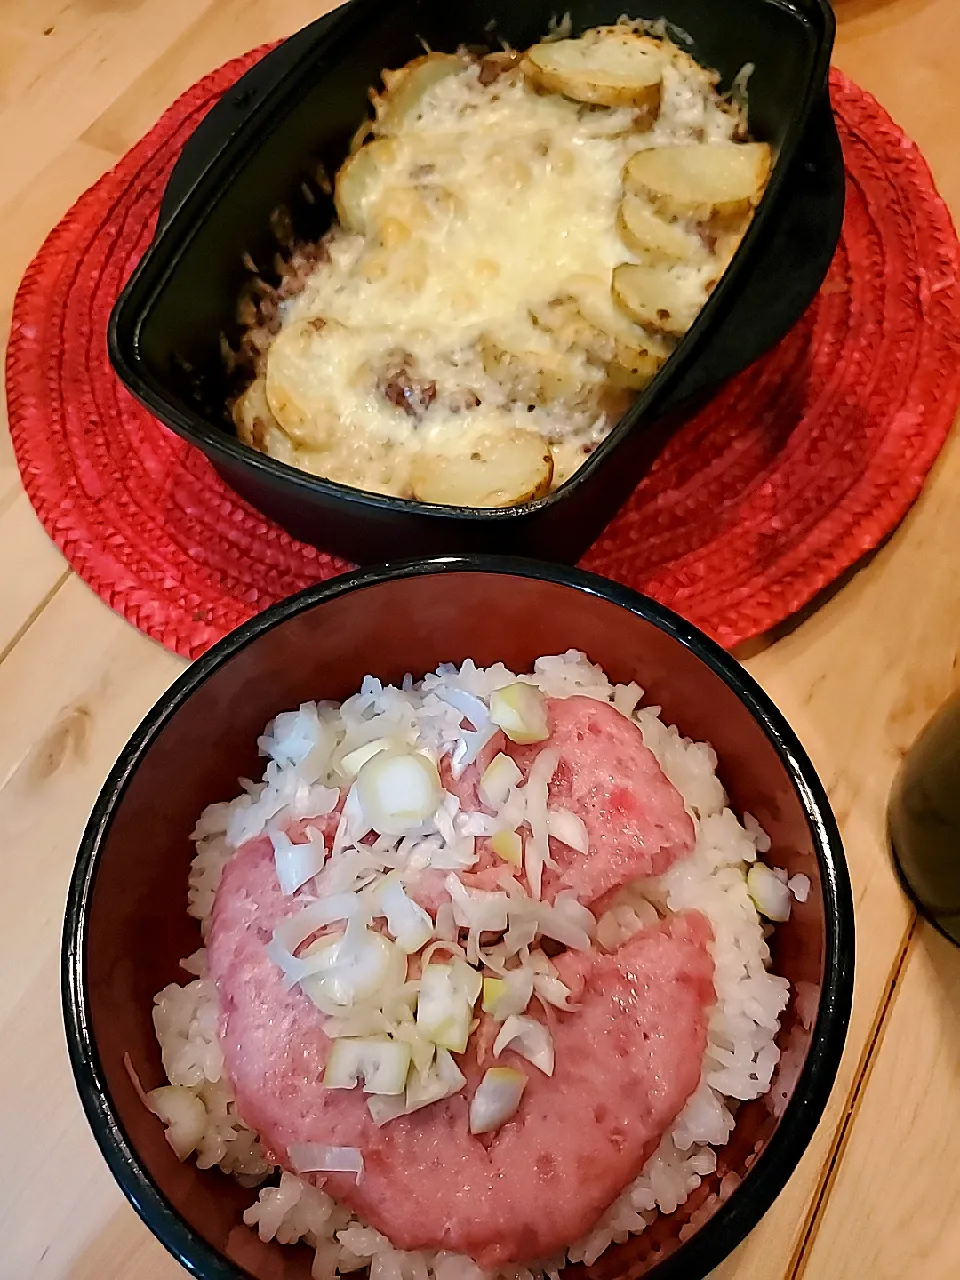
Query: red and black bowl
[[302, 103], [127, 928]]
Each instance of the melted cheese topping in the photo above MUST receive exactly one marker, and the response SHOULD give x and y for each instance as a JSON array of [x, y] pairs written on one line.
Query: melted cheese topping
[[441, 318]]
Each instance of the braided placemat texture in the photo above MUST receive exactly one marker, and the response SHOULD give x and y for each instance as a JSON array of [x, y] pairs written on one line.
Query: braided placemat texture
[[795, 470]]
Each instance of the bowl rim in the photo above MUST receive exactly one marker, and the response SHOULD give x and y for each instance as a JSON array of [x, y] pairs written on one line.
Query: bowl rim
[[736, 1217], [163, 256]]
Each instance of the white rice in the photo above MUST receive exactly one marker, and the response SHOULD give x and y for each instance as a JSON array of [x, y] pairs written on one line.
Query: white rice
[[741, 1053]]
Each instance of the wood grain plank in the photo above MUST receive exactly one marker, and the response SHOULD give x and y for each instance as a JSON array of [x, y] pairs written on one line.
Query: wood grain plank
[[846, 681], [68, 701], [57, 85], [60, 1210], [898, 1186], [31, 569], [225, 32]]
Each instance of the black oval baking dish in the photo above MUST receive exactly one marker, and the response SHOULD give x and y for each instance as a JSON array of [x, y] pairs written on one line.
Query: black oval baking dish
[[303, 103]]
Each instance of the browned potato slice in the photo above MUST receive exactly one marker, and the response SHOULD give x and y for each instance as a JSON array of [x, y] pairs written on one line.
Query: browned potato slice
[[653, 239], [635, 364], [537, 377], [700, 181], [629, 354], [357, 181], [632, 355], [256, 425], [607, 68], [406, 87], [655, 297], [296, 383], [499, 467], [563, 318]]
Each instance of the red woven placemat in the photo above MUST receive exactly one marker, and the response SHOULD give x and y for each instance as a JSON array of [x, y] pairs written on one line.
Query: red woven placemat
[[795, 470]]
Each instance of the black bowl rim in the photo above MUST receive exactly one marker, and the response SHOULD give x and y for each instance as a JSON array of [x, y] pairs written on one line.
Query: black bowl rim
[[159, 262], [734, 1219]]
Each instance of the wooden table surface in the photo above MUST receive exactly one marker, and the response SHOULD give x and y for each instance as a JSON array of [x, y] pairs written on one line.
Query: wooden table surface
[[877, 1192]]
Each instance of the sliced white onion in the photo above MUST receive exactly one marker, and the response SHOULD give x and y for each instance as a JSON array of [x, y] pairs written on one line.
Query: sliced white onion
[[383, 1109], [422, 1050], [513, 810], [348, 872], [480, 910], [551, 990], [508, 846], [299, 739], [446, 926], [496, 1099], [380, 1062], [769, 893], [528, 1037], [353, 967], [475, 824], [569, 829], [493, 990], [297, 863], [457, 852], [443, 1079], [313, 801], [353, 824], [351, 764], [316, 763], [520, 710], [360, 1021], [521, 933], [297, 928], [440, 1079], [406, 919], [398, 791], [473, 708], [448, 993], [183, 1114], [317, 1157], [503, 997], [498, 779], [471, 741], [567, 921], [536, 853]]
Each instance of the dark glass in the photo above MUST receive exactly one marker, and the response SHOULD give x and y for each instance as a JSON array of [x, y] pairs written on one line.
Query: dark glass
[[924, 820]]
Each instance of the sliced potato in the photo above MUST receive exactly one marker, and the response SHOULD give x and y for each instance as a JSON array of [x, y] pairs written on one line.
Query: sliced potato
[[497, 467], [632, 355], [405, 89], [609, 67], [563, 318], [358, 180], [359, 463], [537, 377], [701, 181], [635, 364], [256, 425], [651, 238], [656, 297], [296, 383]]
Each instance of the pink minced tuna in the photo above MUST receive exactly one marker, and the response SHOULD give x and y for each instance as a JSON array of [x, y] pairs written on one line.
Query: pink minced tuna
[[626, 1061], [635, 817]]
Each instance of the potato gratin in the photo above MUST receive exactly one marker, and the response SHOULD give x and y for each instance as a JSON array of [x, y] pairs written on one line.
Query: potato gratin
[[521, 241]]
